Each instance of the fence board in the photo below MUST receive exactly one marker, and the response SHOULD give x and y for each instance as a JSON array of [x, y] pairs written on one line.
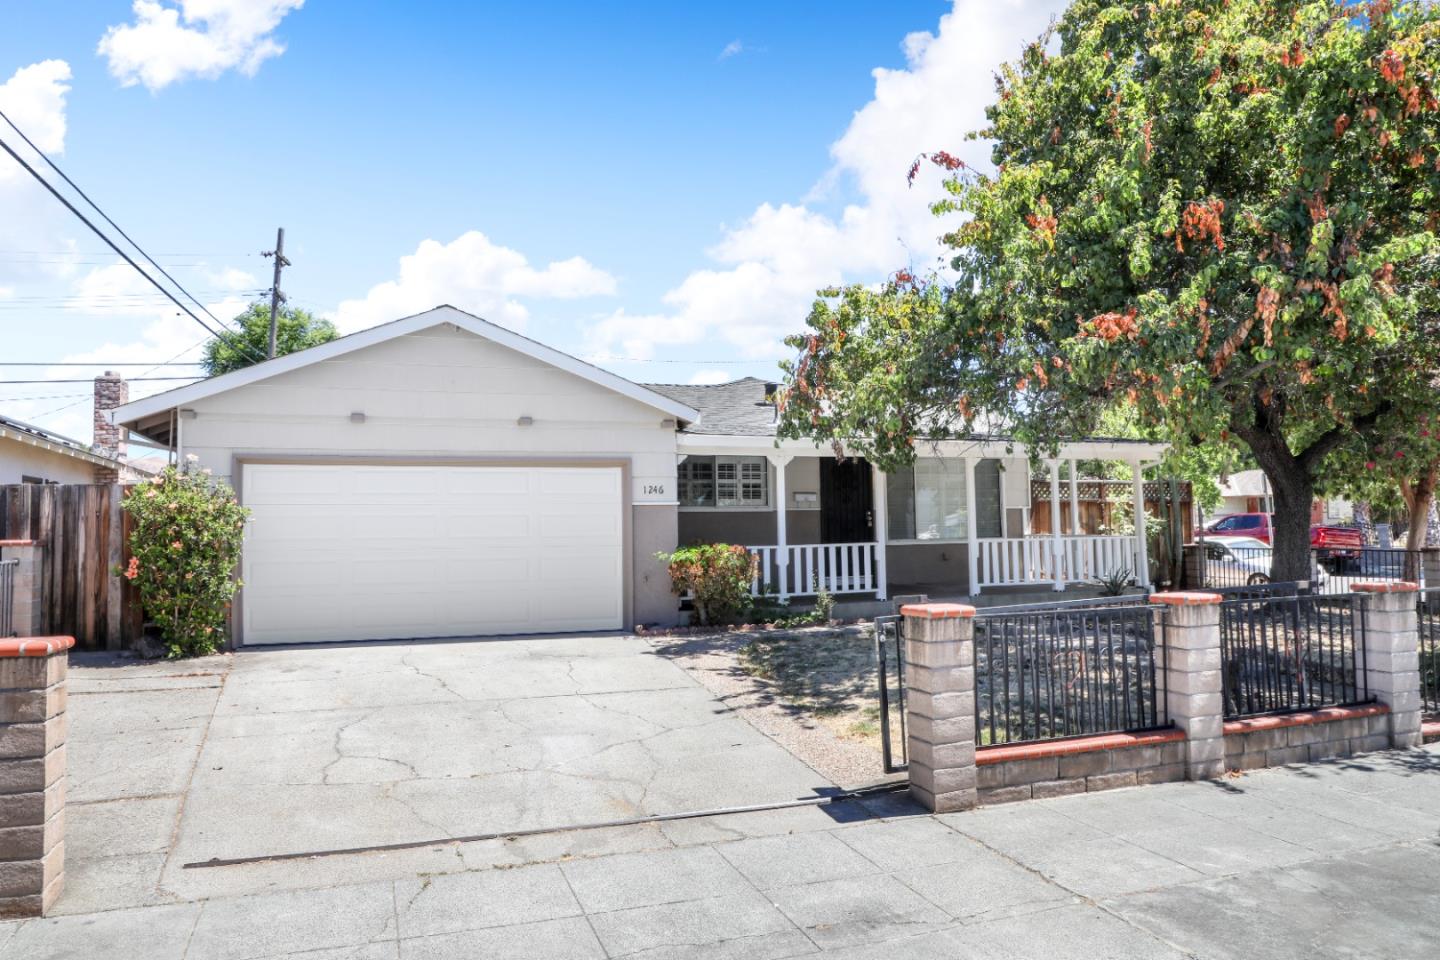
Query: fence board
[[77, 524]]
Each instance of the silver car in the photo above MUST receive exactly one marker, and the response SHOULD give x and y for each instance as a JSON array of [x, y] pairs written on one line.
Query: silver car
[[1233, 561]]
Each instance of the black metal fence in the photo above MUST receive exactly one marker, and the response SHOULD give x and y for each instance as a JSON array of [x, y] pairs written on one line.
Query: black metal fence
[[1291, 651], [1217, 564], [1065, 671], [1428, 619], [890, 684], [7, 596]]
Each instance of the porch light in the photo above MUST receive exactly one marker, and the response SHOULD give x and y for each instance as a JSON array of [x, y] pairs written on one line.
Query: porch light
[[357, 417], [524, 421]]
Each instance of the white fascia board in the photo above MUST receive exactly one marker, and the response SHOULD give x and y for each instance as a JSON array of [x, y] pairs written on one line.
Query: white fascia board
[[180, 396], [51, 446]]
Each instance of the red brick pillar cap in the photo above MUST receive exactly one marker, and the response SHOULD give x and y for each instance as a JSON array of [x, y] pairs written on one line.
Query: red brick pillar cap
[[1389, 586], [937, 611], [35, 646], [1185, 598]]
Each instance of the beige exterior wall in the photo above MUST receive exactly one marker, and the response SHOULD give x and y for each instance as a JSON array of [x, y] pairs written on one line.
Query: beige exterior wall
[[653, 529], [446, 393], [19, 460]]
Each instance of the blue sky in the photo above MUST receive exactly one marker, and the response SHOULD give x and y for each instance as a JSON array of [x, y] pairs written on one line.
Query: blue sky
[[667, 182]]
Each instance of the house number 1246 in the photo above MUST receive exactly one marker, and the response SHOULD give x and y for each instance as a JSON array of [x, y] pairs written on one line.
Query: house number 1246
[[655, 489]]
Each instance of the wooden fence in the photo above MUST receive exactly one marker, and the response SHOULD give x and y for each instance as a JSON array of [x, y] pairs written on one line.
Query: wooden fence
[[85, 537]]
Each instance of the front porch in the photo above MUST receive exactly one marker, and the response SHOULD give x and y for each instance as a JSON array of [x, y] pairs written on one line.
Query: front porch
[[960, 523]]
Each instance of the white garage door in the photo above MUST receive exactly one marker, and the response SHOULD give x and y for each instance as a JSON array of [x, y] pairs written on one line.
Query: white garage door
[[390, 552]]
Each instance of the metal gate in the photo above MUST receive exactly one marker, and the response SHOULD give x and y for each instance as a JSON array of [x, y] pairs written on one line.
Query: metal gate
[[890, 681], [7, 596]]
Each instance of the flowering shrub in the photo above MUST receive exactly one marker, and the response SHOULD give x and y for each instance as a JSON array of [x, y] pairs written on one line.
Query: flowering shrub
[[185, 539], [717, 576]]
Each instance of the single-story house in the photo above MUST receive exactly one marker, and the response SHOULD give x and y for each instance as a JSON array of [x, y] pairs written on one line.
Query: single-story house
[[31, 454], [443, 476], [1248, 491]]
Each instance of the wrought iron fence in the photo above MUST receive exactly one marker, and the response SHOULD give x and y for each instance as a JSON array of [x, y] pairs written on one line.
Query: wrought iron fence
[[890, 684], [1291, 651], [1428, 619], [1343, 569], [7, 596], [1222, 564], [1058, 671]]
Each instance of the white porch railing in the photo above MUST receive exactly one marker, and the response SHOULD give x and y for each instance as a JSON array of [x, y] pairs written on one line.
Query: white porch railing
[[1016, 561], [837, 567]]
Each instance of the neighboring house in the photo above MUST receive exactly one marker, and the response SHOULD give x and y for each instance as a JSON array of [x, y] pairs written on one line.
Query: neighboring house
[[1248, 491], [31, 454], [443, 476]]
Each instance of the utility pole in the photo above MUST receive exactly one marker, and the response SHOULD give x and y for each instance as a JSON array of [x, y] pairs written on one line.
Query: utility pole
[[276, 296]]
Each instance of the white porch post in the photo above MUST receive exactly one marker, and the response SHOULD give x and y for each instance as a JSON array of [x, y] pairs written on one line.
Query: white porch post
[[972, 540], [782, 549], [1142, 559], [1056, 544], [880, 508], [1074, 499]]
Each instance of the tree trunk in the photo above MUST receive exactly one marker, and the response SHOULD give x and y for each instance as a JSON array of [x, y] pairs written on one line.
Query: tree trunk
[[1290, 526], [1365, 522], [1420, 498]]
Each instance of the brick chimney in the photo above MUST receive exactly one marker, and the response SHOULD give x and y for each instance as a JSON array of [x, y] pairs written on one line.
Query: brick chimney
[[111, 391]]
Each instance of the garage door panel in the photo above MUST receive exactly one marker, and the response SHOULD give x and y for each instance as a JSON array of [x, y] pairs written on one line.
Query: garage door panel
[[388, 552]]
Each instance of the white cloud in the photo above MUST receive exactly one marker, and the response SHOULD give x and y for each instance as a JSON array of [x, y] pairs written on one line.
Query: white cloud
[[203, 38], [476, 275], [769, 267], [731, 49], [34, 97]]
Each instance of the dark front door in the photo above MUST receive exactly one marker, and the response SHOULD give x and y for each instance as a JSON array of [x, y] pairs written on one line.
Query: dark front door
[[847, 512]]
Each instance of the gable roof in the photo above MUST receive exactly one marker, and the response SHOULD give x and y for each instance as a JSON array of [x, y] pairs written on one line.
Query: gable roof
[[137, 410], [34, 436], [735, 409]]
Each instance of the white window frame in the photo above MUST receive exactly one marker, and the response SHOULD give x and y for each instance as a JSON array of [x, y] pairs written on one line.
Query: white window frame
[[736, 483], [951, 501]]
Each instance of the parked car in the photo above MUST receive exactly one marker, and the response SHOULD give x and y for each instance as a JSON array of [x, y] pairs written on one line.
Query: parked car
[[1232, 561], [1338, 548]]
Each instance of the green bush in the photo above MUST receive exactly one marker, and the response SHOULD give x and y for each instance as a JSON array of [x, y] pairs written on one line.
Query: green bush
[[185, 540], [716, 577]]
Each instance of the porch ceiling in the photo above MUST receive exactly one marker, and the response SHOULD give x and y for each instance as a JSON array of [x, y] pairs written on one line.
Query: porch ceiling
[[1098, 448]]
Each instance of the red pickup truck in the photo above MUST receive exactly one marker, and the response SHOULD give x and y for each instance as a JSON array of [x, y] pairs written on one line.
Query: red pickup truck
[[1338, 546]]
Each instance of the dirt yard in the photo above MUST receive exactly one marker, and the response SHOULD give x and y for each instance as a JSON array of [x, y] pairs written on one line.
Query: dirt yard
[[812, 690]]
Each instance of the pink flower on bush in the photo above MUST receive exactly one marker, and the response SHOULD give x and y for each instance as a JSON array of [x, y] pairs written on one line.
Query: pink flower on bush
[[176, 545], [133, 570]]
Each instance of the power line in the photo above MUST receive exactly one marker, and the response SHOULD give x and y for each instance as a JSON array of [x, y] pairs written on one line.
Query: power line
[[96, 207], [46, 396], [152, 364], [96, 230], [196, 376]]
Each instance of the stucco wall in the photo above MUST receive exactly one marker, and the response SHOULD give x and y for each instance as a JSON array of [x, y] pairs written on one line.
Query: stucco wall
[[19, 460], [928, 564], [653, 529], [444, 392]]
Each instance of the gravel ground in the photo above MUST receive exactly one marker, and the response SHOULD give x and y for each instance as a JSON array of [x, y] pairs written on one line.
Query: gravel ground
[[812, 691]]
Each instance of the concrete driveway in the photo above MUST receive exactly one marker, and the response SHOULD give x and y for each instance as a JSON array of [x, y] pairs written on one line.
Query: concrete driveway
[[281, 751]]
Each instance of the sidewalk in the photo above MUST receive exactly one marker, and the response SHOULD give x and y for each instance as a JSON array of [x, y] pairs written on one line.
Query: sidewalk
[[1327, 860]]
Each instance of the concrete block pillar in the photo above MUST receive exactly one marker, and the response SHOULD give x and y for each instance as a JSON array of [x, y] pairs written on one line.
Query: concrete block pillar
[[1392, 655], [32, 774], [27, 619], [1188, 633], [940, 704]]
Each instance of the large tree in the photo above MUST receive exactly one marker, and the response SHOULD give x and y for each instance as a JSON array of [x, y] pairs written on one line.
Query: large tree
[[1222, 214], [297, 330]]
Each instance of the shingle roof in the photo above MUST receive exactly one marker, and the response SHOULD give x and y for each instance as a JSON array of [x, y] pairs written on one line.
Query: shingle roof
[[737, 408]]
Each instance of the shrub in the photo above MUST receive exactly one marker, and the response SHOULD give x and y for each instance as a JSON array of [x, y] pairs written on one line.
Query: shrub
[[716, 576], [1114, 583], [185, 542]]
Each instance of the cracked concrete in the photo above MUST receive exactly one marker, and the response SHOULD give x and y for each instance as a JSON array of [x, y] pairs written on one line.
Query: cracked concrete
[[1327, 860], [283, 750]]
